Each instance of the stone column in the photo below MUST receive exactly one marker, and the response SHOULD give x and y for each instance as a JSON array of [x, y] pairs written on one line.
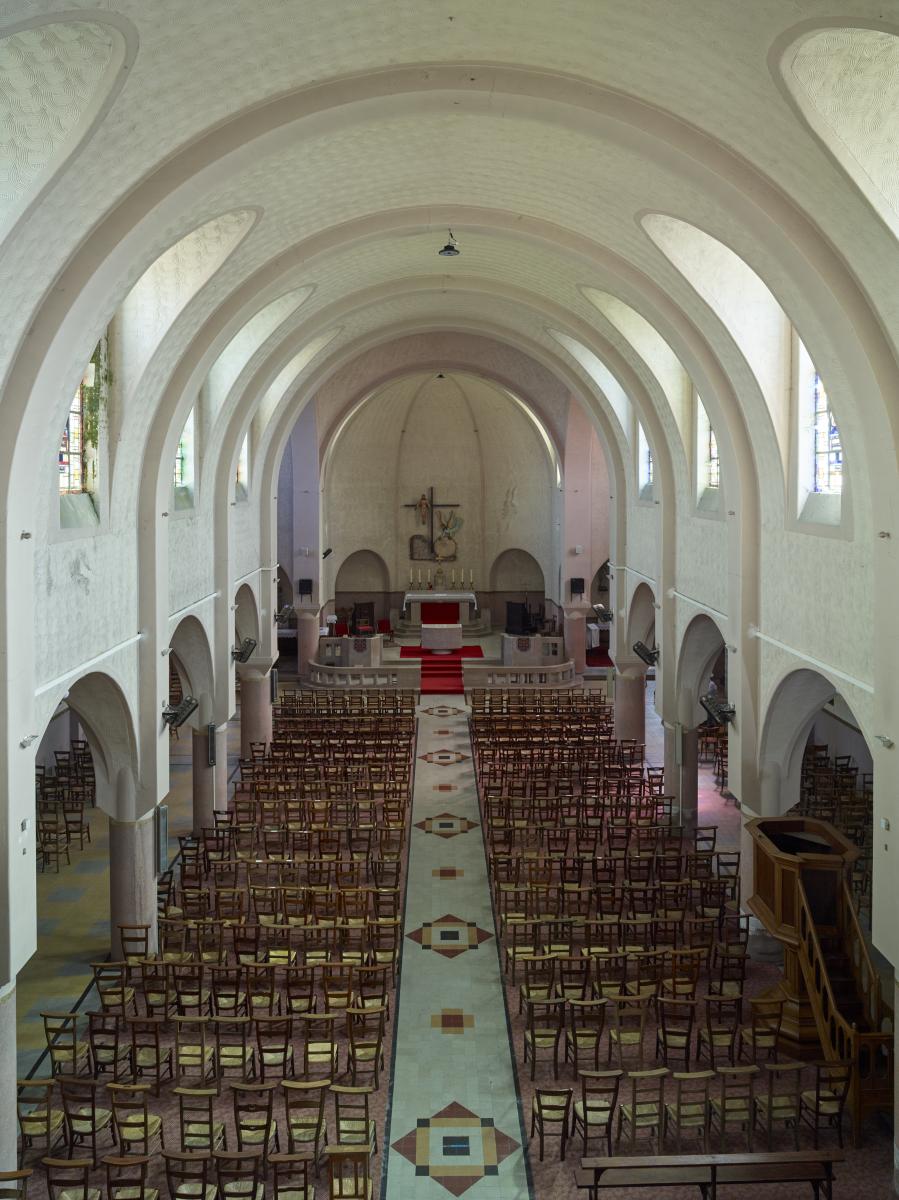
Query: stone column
[[255, 710], [307, 641], [689, 780], [630, 704], [210, 784], [576, 638], [8, 1073], [132, 877]]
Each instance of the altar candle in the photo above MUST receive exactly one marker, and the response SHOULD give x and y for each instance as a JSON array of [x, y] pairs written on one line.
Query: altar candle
[[471, 579], [454, 576], [410, 577], [429, 575], [419, 576]]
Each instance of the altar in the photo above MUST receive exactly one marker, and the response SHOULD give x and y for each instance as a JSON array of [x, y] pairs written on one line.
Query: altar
[[439, 608]]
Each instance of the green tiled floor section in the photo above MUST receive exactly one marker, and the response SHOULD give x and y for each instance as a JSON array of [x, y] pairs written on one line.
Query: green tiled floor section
[[73, 912], [454, 1121]]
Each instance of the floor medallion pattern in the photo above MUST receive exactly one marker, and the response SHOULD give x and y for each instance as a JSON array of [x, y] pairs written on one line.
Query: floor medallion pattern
[[452, 1035], [456, 1148]]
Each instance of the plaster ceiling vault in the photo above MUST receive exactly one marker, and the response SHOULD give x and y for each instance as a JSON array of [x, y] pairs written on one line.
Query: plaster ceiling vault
[[303, 164]]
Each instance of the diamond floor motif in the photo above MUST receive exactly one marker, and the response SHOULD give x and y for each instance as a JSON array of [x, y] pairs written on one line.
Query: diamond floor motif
[[446, 825], [449, 936], [456, 1148]]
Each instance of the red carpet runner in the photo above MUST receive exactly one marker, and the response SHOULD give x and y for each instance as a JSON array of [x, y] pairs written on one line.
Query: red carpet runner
[[441, 673]]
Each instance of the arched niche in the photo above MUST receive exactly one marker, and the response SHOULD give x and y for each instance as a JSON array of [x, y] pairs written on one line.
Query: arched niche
[[193, 662], [641, 621], [362, 578], [805, 707], [700, 649], [246, 614], [516, 570], [105, 719]]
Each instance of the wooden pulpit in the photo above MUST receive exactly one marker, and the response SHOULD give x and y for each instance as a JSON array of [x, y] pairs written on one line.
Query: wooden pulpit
[[789, 852]]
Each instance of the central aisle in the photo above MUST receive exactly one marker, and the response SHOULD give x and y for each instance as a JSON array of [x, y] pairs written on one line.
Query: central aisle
[[454, 1120]]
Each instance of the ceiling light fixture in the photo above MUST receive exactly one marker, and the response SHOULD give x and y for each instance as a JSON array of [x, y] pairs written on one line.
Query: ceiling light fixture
[[450, 250]]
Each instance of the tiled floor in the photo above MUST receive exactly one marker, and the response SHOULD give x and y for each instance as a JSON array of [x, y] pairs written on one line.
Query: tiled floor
[[454, 1119], [73, 913]]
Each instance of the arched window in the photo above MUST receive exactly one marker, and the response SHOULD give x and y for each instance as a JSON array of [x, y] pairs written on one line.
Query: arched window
[[242, 475], [183, 477], [713, 464], [708, 464], [645, 465], [77, 458], [827, 451]]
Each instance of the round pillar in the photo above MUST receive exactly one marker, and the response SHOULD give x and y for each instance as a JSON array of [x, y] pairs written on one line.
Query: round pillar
[[255, 711], [307, 641], [8, 1072], [689, 779], [630, 705], [132, 877], [576, 638], [210, 783]]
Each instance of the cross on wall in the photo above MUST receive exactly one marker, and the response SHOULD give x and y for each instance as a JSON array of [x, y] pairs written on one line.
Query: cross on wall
[[432, 505]]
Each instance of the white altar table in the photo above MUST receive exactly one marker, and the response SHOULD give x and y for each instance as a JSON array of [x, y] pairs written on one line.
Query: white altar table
[[441, 638]]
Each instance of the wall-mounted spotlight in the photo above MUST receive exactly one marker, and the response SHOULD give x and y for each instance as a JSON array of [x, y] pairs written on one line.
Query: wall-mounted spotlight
[[642, 651], [283, 615], [720, 711], [244, 652], [604, 615], [175, 715], [325, 553]]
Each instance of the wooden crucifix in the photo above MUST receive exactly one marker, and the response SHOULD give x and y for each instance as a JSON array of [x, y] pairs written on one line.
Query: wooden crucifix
[[432, 503]]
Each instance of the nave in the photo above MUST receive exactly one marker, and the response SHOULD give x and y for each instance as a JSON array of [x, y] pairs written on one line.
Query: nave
[[451, 940]]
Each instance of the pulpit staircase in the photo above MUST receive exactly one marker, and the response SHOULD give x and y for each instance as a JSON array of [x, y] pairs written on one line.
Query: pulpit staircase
[[844, 992]]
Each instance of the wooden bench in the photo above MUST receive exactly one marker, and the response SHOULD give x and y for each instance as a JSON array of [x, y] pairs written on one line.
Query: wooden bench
[[708, 1171]]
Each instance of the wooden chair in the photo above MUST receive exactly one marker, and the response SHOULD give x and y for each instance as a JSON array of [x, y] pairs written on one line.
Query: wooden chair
[[365, 1042], [110, 1048], [69, 1179], [113, 990], [290, 1177], [718, 1036], [200, 1132], [320, 1048], [735, 1102], [352, 1118], [628, 1016], [239, 1174], [544, 1027], [781, 1102], [134, 1124], [349, 1173], [68, 1055], [821, 1107], [126, 1178], [643, 1113], [304, 1106], [254, 1121], [274, 1045], [39, 1121], [85, 1120], [760, 1036], [690, 1109], [233, 1051], [583, 1034], [14, 1184], [674, 1033], [551, 1116], [593, 1113], [187, 1175], [150, 1059], [194, 1056]]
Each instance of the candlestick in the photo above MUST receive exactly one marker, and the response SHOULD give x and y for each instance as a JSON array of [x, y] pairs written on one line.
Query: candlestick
[[471, 579], [429, 574], [410, 577], [419, 576], [454, 576]]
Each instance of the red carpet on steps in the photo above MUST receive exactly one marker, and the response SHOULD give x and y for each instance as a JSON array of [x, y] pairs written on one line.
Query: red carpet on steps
[[441, 673]]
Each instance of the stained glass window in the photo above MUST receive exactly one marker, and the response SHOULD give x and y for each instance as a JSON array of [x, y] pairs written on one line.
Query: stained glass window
[[828, 450], [713, 465], [71, 448]]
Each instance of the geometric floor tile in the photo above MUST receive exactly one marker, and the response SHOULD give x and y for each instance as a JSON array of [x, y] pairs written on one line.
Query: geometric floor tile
[[456, 1148], [449, 936], [446, 825], [442, 710], [447, 873], [452, 1020], [443, 758]]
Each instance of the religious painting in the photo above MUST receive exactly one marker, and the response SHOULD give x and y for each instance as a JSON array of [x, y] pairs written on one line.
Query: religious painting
[[420, 548]]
